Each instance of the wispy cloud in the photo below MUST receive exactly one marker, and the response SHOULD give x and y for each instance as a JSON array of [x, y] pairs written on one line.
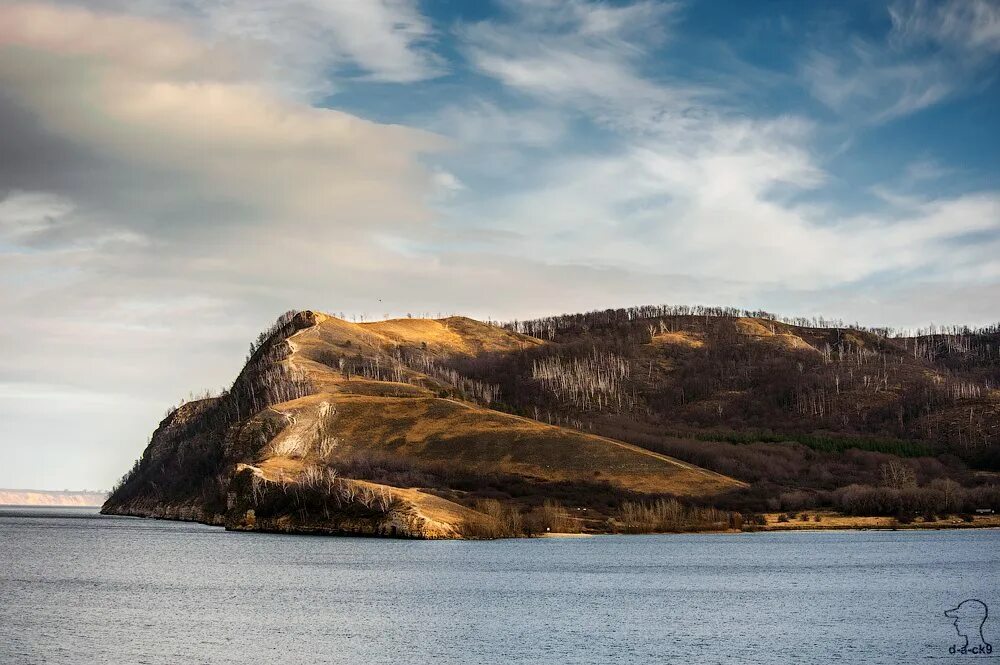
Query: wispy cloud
[[386, 40], [969, 26], [481, 123], [934, 51], [308, 46], [690, 186], [710, 214], [580, 53]]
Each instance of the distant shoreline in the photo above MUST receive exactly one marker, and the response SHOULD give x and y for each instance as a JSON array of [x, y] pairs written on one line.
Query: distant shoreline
[[51, 498], [35, 505]]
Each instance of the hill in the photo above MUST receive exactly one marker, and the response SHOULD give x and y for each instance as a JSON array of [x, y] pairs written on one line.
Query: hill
[[342, 427], [614, 420]]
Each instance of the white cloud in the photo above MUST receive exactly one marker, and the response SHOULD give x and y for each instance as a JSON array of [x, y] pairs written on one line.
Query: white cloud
[[193, 117], [691, 188], [924, 170], [447, 184], [708, 210], [875, 91]]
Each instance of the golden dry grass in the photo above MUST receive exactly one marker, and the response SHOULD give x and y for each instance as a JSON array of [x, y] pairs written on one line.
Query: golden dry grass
[[780, 335], [441, 518], [831, 520], [434, 429], [683, 339], [407, 420], [451, 335]]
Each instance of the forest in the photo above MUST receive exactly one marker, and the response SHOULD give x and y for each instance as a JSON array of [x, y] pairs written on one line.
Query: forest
[[750, 376], [808, 411]]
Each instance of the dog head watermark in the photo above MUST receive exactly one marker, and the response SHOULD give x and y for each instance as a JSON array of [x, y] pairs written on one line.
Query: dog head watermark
[[969, 618]]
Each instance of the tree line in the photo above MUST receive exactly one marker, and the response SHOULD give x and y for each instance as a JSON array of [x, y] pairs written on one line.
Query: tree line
[[550, 327]]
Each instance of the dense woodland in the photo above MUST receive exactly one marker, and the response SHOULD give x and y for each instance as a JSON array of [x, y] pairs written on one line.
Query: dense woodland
[[765, 379]]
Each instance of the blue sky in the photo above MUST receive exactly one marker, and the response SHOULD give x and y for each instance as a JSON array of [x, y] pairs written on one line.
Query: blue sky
[[176, 174], [754, 60]]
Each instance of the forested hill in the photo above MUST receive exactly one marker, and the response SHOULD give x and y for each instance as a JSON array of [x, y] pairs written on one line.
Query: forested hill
[[458, 428], [753, 376]]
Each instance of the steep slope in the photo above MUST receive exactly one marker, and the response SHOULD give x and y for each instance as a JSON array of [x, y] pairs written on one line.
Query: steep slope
[[324, 406]]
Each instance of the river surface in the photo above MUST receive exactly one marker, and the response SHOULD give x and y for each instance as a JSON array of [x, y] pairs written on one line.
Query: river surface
[[76, 587]]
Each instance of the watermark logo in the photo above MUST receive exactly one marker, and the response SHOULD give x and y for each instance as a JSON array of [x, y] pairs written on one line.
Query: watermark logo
[[969, 618]]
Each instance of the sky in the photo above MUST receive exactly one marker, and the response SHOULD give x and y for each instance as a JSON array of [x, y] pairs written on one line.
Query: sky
[[175, 174]]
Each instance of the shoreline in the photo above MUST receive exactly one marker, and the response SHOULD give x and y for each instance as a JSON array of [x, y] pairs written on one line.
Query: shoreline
[[900, 527], [829, 522]]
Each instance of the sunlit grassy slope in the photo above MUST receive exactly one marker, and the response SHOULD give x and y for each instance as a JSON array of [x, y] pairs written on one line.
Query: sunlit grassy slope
[[404, 420]]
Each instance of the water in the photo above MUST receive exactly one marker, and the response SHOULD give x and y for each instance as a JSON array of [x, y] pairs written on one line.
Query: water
[[76, 587]]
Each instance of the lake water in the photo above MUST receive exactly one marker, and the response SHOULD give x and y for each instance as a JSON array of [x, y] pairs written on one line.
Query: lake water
[[76, 587]]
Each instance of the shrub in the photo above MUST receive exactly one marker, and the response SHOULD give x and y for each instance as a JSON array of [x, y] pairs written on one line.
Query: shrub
[[668, 515], [495, 520], [941, 497], [952, 494], [317, 493], [797, 500], [550, 517], [985, 496]]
